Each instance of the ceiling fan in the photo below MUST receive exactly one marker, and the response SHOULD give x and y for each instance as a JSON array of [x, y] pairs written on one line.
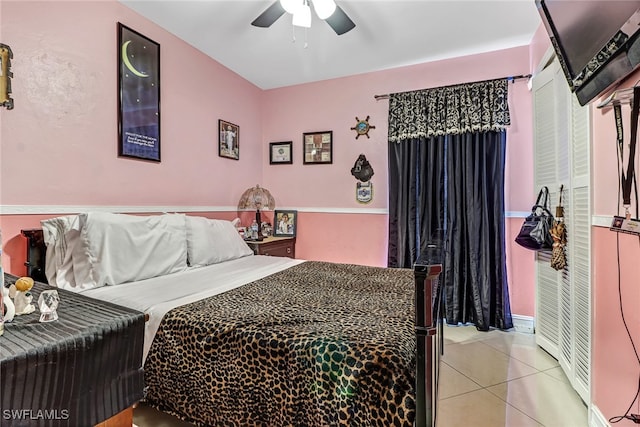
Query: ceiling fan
[[327, 10]]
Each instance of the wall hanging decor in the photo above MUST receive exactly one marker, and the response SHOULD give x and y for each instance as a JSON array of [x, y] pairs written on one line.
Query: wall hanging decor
[[363, 172], [138, 95], [318, 147], [280, 153], [364, 192], [228, 140], [362, 127], [6, 55], [362, 169]]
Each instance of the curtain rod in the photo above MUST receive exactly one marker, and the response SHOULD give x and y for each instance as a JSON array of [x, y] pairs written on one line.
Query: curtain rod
[[511, 79]]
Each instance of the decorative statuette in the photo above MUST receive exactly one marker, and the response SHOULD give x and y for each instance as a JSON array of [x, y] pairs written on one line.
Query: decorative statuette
[[10, 310], [48, 304], [20, 292]]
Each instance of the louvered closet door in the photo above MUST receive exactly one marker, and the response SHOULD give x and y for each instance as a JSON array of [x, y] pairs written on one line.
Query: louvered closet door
[[563, 298], [580, 246], [547, 115]]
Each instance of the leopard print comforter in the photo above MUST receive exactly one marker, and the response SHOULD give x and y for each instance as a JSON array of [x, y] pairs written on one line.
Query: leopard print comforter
[[318, 344]]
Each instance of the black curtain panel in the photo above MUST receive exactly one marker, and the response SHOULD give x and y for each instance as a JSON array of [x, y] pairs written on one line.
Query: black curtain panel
[[416, 203], [446, 186], [476, 288]]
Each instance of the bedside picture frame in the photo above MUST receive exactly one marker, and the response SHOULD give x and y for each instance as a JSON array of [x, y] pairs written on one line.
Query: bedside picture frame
[[281, 153], [138, 95], [318, 147], [228, 140], [285, 223]]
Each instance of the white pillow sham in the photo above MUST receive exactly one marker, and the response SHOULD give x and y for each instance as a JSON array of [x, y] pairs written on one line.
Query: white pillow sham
[[210, 241], [119, 248], [61, 235]]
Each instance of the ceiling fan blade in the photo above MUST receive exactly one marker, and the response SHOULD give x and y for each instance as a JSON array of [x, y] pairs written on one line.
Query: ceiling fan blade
[[269, 16], [340, 22]]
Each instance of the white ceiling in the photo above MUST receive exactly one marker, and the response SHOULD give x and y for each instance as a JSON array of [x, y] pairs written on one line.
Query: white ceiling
[[388, 34]]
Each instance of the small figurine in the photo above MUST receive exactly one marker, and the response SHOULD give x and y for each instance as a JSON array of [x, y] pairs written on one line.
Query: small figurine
[[22, 298], [10, 310]]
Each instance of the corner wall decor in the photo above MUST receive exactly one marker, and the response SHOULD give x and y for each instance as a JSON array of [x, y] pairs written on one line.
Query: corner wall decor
[[228, 140], [362, 127], [280, 153], [6, 55], [318, 147], [138, 95]]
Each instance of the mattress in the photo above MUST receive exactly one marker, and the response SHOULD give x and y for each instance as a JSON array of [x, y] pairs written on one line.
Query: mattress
[[158, 295]]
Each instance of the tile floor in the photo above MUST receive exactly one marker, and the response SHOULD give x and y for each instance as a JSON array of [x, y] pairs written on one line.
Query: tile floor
[[487, 379]]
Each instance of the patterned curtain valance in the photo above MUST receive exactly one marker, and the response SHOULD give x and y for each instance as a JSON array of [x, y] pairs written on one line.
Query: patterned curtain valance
[[449, 110]]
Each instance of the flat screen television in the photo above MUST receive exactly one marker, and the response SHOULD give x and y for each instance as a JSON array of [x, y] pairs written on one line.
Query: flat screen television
[[597, 42]]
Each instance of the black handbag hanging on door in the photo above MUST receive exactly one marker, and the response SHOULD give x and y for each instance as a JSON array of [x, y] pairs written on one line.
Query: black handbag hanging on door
[[535, 231]]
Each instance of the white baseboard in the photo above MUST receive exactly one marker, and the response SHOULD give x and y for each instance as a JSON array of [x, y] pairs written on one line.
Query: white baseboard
[[525, 324], [596, 418]]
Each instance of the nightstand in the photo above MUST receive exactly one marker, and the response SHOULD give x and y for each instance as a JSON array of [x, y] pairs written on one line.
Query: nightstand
[[274, 246]]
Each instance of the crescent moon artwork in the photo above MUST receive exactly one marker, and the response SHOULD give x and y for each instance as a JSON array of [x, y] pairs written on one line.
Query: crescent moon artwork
[[127, 62], [139, 95]]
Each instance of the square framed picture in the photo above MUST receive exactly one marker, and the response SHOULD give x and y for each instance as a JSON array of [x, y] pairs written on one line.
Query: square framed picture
[[138, 95], [285, 223], [318, 147], [280, 153], [228, 140]]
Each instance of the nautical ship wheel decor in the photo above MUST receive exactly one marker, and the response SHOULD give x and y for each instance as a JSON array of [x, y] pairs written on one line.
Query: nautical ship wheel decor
[[362, 127]]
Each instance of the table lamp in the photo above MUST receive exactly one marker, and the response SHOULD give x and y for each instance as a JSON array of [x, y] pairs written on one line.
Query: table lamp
[[257, 198]]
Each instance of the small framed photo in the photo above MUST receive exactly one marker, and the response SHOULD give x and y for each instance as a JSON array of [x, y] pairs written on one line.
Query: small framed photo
[[228, 140], [318, 147], [285, 223], [280, 153]]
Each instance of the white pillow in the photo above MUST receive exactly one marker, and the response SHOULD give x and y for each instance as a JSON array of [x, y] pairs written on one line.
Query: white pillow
[[61, 235], [210, 241], [118, 248]]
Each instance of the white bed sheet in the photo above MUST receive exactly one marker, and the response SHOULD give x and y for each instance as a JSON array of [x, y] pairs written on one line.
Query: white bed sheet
[[158, 295]]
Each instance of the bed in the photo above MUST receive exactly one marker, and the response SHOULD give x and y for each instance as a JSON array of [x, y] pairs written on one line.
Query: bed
[[236, 339]]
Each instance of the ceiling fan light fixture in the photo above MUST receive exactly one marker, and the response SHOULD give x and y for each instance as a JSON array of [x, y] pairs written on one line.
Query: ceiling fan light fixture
[[302, 16], [290, 6], [324, 8]]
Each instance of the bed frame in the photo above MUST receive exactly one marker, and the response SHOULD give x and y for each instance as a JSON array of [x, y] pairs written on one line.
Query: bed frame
[[427, 271]]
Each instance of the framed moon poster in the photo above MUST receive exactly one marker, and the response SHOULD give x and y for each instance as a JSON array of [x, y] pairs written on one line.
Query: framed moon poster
[[138, 95]]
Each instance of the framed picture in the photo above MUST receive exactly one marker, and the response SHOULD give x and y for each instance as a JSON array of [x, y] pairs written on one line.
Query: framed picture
[[280, 153], [318, 147], [138, 95], [285, 223], [228, 140]]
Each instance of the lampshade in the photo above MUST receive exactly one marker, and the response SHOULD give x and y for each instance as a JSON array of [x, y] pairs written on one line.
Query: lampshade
[[302, 16], [256, 198]]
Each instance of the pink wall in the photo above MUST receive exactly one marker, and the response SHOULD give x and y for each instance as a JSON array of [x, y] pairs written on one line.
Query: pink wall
[[64, 125], [334, 105], [613, 361], [59, 143]]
